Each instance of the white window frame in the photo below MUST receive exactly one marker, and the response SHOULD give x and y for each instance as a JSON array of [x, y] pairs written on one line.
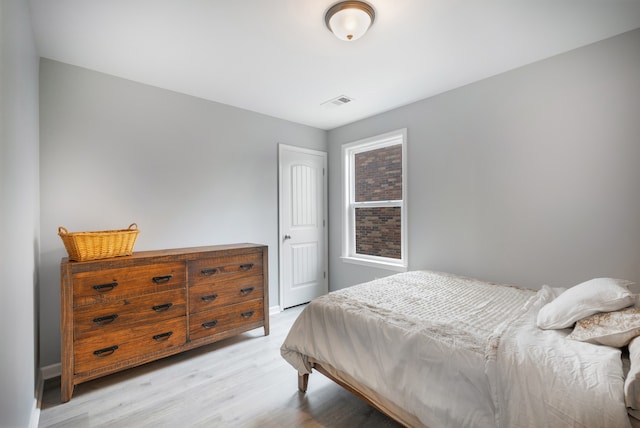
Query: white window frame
[[349, 151]]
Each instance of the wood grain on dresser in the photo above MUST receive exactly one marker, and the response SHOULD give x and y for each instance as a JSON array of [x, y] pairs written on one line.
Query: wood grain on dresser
[[121, 312]]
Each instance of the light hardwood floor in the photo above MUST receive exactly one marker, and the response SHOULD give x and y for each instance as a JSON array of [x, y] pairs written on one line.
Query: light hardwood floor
[[238, 382]]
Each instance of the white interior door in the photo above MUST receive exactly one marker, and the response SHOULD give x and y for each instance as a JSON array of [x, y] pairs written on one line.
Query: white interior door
[[303, 231]]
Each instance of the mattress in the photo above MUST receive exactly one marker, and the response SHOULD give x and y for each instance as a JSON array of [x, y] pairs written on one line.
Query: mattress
[[455, 351]]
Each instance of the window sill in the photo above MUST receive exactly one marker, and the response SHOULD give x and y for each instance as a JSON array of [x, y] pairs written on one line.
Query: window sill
[[398, 267]]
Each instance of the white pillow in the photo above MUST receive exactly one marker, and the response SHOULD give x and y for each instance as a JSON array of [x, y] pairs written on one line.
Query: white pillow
[[632, 381], [582, 300], [609, 328]]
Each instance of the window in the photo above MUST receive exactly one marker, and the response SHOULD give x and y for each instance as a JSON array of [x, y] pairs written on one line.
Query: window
[[374, 220]]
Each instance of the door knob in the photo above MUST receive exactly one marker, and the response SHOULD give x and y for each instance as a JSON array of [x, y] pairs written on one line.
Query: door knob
[[287, 237]]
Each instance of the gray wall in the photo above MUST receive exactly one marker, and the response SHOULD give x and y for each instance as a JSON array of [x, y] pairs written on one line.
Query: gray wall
[[19, 215], [189, 172], [530, 177]]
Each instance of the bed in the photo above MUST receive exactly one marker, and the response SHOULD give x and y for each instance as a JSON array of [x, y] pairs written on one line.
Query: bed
[[440, 350]]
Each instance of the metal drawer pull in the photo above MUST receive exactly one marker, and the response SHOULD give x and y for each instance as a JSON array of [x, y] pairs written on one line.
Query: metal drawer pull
[[107, 319], [246, 266], [247, 314], [209, 298], [162, 308], [103, 288], [162, 279], [210, 324], [247, 290], [105, 352], [163, 336], [209, 272]]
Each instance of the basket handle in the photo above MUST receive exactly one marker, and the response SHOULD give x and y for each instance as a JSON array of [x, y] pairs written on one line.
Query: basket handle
[[133, 226]]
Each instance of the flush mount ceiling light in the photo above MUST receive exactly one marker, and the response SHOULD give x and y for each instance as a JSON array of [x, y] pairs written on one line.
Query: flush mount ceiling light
[[349, 20]]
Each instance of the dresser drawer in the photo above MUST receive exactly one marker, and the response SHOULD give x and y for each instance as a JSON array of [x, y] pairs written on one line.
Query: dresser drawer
[[110, 316], [208, 296], [114, 284], [225, 318], [225, 268], [98, 350]]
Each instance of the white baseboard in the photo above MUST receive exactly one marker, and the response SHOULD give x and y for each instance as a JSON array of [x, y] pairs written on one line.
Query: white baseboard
[[34, 419], [49, 372], [274, 310]]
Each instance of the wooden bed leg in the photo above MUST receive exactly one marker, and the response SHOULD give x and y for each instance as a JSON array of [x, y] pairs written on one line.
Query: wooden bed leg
[[303, 380]]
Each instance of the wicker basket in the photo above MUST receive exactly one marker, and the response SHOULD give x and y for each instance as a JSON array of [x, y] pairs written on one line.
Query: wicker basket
[[83, 246]]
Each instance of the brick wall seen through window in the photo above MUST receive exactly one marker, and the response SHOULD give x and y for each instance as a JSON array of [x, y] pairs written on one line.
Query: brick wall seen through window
[[378, 232], [378, 177]]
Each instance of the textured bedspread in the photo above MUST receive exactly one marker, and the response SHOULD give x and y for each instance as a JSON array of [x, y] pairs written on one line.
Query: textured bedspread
[[541, 379], [458, 352]]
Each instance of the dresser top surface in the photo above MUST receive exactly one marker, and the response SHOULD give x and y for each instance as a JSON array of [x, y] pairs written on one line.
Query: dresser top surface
[[186, 253]]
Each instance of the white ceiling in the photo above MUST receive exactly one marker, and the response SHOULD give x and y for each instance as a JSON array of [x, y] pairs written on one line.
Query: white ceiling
[[276, 57]]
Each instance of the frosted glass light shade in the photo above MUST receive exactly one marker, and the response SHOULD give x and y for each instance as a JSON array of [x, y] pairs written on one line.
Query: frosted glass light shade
[[349, 20]]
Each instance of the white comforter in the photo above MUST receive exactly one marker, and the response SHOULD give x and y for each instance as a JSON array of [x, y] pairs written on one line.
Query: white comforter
[[457, 352]]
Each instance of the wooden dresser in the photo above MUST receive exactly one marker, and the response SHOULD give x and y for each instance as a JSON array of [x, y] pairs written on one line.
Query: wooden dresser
[[121, 312]]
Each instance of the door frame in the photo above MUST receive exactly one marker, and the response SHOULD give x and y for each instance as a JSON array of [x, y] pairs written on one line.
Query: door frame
[[325, 214]]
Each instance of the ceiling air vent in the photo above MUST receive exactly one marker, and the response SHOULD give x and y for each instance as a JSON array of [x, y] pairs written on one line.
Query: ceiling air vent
[[337, 102]]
